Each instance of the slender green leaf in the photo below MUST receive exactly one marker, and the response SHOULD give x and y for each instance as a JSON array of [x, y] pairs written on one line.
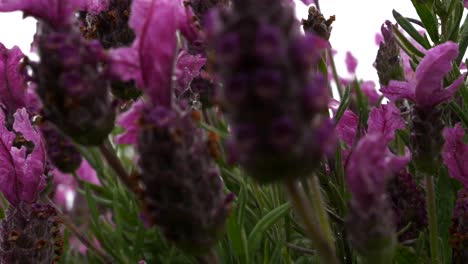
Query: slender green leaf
[[408, 27], [428, 18], [264, 224]]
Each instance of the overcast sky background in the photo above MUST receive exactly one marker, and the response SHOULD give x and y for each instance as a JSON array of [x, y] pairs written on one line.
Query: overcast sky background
[[354, 30]]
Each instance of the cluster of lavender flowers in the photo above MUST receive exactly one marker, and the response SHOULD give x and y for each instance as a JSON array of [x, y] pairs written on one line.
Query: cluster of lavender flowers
[[173, 67]]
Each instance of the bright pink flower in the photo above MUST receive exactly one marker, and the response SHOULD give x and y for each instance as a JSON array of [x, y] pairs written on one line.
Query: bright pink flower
[[385, 120], [150, 60], [188, 67], [370, 167], [55, 12], [351, 62], [22, 170], [12, 80], [130, 121], [455, 154], [426, 88], [368, 89]]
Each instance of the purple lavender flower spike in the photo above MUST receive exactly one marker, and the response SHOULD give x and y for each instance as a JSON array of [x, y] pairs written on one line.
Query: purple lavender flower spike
[[459, 229], [270, 100], [388, 62], [183, 191], [370, 220], [30, 233]]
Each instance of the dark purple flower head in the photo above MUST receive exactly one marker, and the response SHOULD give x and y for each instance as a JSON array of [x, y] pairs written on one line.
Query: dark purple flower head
[[455, 154], [60, 150], [459, 229], [23, 159], [316, 22], [110, 26], [426, 89], [183, 189], [72, 85], [57, 13], [388, 62], [30, 233], [271, 94], [408, 204]]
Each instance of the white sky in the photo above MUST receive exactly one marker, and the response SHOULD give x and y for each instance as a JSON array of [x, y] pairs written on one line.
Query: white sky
[[354, 30]]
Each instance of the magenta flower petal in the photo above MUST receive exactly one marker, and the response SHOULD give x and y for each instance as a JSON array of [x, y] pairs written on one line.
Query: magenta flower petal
[[397, 90], [368, 88], [431, 71], [12, 81], [129, 120], [22, 173], [444, 95], [351, 62], [465, 3], [347, 127], [370, 166], [385, 120], [188, 67], [33, 180], [56, 12], [455, 154], [150, 60]]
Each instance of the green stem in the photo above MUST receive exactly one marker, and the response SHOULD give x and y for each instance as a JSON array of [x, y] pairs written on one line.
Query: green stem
[[335, 72], [299, 201], [431, 209], [320, 209], [115, 163]]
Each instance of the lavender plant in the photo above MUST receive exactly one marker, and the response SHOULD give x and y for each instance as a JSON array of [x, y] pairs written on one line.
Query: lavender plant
[[203, 131]]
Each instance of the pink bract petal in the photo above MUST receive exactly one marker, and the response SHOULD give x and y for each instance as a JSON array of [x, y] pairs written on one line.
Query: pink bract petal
[[347, 127], [151, 58], [22, 173], [129, 121], [431, 71], [398, 90], [55, 12], [385, 120], [455, 154], [351, 63], [370, 167], [87, 173], [368, 88], [12, 79], [188, 67], [444, 95]]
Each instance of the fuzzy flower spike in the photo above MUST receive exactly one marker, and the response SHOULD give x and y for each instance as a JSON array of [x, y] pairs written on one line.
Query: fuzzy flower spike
[[271, 94], [183, 191], [29, 232], [69, 76], [426, 91]]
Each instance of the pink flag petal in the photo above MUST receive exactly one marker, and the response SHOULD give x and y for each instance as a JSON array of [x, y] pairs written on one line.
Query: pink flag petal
[[398, 90], [129, 121], [431, 71], [385, 120], [188, 67], [12, 80], [351, 63], [347, 127], [455, 154]]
